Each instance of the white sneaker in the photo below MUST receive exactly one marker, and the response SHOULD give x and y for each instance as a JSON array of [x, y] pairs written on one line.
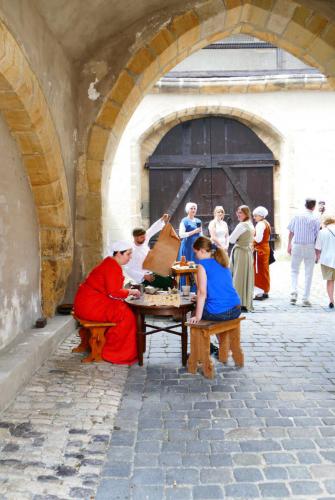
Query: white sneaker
[[306, 303], [294, 297]]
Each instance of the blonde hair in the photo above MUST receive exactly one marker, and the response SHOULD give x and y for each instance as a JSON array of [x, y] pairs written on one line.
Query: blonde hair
[[219, 254], [246, 210], [328, 219], [219, 207]]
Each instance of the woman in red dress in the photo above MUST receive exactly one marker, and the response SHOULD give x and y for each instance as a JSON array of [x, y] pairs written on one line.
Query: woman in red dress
[[101, 298], [262, 254]]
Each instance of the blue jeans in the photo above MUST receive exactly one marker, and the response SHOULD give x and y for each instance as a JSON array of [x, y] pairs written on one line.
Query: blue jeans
[[224, 316]]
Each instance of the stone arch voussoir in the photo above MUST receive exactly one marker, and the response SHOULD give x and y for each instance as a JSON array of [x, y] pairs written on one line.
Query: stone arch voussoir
[[26, 112]]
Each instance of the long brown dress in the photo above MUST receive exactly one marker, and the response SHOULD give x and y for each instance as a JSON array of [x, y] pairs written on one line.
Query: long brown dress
[[261, 263], [242, 266]]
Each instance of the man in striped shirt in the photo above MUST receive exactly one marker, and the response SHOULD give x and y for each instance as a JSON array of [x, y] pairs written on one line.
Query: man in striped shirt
[[303, 231]]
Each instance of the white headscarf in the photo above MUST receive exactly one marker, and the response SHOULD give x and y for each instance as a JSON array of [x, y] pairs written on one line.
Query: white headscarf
[[261, 211], [120, 246], [189, 205]]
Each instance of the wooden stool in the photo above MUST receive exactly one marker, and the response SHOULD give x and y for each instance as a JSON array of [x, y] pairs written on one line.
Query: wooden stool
[[92, 338], [228, 333]]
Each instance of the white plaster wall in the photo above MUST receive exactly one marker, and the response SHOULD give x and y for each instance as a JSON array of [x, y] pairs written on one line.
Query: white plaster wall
[[304, 120], [19, 244]]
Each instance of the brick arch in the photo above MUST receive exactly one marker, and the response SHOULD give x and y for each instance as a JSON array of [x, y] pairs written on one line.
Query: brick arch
[[293, 27], [26, 113]]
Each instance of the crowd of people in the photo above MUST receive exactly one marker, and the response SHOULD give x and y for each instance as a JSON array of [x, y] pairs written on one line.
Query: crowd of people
[[225, 285]]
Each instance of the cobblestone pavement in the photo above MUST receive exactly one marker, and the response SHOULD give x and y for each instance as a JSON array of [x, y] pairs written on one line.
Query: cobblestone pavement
[[264, 431]]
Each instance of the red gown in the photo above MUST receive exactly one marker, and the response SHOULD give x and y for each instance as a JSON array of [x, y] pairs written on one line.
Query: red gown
[[100, 298], [261, 261]]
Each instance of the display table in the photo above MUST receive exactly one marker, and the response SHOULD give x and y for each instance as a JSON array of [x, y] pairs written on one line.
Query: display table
[[142, 309], [186, 271]]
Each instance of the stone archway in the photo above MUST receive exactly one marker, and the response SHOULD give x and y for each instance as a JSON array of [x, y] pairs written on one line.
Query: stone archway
[[291, 26], [26, 113]]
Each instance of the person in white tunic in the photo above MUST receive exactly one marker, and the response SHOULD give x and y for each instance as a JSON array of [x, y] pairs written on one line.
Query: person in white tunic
[[325, 253], [218, 229], [140, 249]]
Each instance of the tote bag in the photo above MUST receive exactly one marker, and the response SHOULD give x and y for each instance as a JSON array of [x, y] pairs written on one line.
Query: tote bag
[[164, 253]]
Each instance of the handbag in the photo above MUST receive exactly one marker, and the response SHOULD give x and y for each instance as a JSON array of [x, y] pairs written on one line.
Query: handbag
[[272, 258]]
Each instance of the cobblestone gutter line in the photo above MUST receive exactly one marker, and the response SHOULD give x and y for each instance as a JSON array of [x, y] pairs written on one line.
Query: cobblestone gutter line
[[55, 436]]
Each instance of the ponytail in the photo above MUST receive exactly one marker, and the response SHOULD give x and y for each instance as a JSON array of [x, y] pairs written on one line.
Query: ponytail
[[221, 257], [219, 254]]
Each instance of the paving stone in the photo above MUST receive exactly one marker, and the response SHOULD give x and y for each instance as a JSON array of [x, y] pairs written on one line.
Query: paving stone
[[148, 475], [247, 474], [242, 490], [275, 473], [274, 490], [305, 487], [207, 492], [182, 476], [178, 493], [298, 472]]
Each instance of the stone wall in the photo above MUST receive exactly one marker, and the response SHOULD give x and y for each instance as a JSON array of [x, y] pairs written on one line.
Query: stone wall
[[19, 244]]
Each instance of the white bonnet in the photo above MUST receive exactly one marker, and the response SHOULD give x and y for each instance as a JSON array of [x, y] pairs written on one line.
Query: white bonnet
[[261, 211], [189, 205], [120, 246]]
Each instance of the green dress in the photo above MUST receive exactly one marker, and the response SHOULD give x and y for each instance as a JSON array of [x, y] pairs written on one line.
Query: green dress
[[242, 266]]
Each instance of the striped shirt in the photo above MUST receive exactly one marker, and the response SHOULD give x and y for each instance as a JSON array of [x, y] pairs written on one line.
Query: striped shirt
[[305, 228]]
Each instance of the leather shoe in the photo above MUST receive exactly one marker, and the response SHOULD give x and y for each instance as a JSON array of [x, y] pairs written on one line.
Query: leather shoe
[[331, 305], [259, 297]]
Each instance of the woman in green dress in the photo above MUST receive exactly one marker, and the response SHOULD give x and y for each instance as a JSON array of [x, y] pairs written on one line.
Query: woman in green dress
[[241, 259]]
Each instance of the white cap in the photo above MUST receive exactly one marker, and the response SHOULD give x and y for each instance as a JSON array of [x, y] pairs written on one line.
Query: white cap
[[261, 211], [189, 205], [120, 246]]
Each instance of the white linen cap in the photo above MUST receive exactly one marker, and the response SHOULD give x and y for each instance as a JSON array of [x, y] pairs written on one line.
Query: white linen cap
[[261, 211], [189, 205], [120, 246]]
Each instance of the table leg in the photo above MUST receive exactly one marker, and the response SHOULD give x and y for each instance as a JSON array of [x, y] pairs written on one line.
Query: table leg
[[143, 329], [139, 338], [187, 279], [183, 339]]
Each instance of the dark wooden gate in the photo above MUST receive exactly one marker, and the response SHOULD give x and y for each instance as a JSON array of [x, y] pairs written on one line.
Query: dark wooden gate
[[211, 161]]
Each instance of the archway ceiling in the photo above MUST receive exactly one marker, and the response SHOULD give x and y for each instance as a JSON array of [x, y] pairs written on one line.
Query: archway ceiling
[[82, 28]]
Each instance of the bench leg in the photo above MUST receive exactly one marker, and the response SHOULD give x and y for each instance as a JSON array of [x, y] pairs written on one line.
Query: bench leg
[[224, 346], [84, 345], [235, 346], [97, 342], [205, 358], [192, 364], [183, 340]]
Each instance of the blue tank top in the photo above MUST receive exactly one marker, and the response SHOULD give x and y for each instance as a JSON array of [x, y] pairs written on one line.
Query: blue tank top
[[221, 294]]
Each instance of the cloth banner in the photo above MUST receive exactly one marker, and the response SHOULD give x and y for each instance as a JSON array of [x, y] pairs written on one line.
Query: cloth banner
[[164, 253]]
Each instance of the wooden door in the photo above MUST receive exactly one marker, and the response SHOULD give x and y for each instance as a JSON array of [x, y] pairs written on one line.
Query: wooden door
[[211, 161]]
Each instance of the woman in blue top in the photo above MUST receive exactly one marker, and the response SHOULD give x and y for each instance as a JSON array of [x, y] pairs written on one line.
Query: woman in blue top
[[217, 299], [189, 230]]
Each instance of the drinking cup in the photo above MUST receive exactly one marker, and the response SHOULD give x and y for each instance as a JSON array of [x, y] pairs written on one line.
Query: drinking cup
[[186, 290]]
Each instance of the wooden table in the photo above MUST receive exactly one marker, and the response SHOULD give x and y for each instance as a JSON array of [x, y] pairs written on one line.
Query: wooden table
[[184, 271], [142, 310]]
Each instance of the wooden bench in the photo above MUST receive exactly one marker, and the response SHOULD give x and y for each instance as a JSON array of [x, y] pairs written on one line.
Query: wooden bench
[[228, 333], [92, 339]]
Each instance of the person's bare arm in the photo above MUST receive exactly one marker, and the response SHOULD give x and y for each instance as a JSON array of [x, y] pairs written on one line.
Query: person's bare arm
[[289, 246], [201, 294]]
